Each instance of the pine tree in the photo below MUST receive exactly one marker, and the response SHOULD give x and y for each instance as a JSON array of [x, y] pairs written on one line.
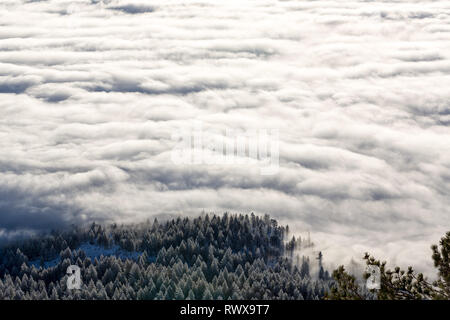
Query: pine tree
[[179, 295], [207, 295], [398, 284]]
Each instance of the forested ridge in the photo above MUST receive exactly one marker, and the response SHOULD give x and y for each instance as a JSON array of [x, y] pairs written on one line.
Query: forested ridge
[[208, 257]]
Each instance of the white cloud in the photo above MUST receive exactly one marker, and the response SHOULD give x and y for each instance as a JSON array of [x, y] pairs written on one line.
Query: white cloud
[[91, 92]]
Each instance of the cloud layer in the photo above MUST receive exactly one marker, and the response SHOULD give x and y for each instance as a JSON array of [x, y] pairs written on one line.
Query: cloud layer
[[91, 92]]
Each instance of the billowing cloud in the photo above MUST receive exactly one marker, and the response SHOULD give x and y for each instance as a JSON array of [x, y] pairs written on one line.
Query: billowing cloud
[[92, 91]]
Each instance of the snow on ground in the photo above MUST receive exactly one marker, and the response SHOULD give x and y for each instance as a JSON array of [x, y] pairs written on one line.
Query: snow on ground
[[93, 251]]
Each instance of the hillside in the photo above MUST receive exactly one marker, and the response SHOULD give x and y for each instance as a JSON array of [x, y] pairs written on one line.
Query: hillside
[[209, 257]]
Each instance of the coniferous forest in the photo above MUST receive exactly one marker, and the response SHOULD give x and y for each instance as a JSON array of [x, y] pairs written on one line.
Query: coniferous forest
[[204, 258]]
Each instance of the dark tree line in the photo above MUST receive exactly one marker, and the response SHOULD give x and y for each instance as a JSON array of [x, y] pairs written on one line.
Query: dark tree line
[[209, 257]]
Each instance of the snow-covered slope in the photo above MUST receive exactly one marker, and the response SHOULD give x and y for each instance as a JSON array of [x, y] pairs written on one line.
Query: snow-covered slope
[[93, 251]]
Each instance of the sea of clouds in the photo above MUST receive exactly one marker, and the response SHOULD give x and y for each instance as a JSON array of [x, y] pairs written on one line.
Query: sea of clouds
[[91, 93]]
